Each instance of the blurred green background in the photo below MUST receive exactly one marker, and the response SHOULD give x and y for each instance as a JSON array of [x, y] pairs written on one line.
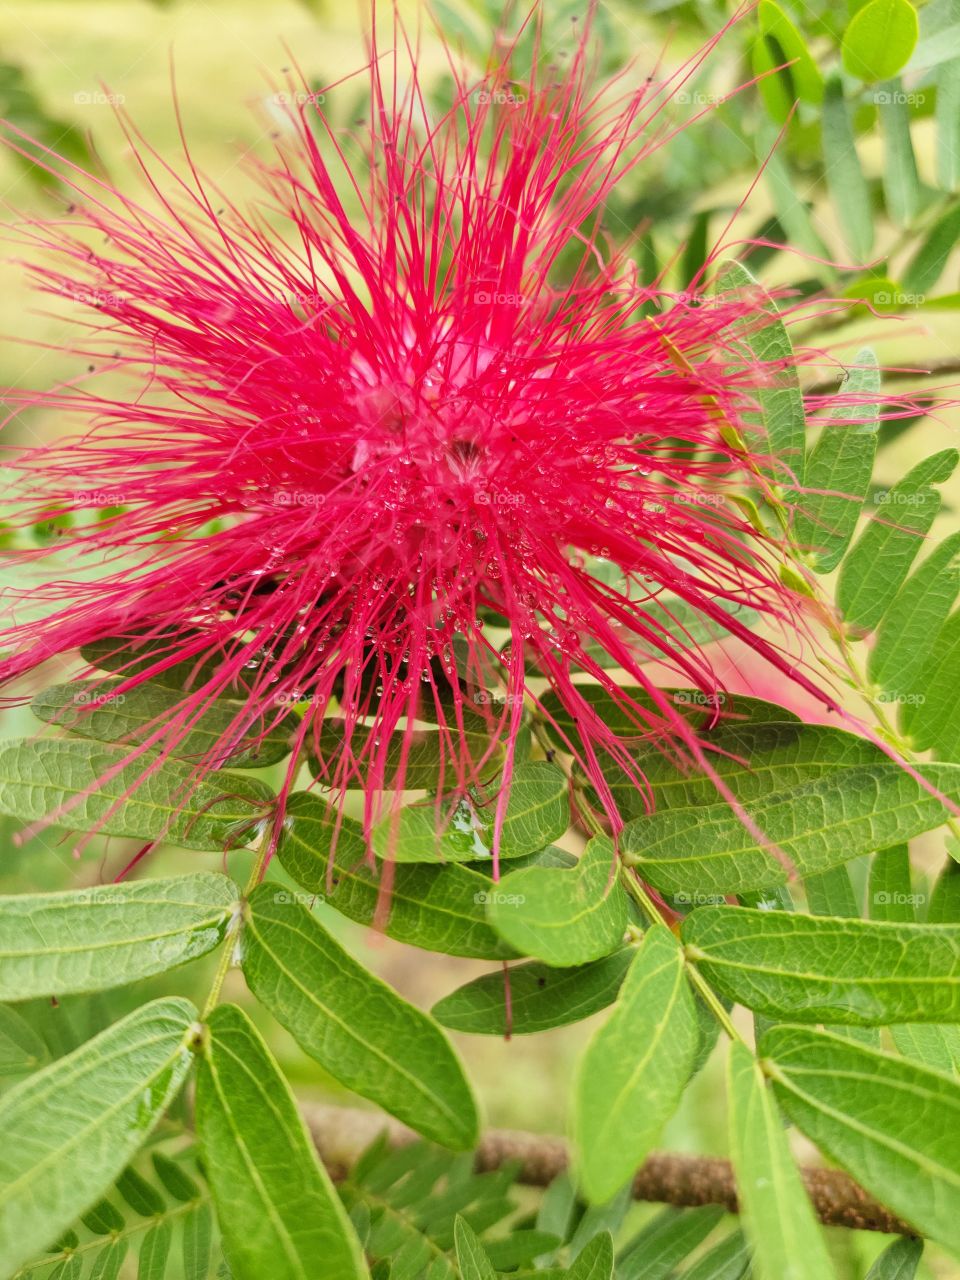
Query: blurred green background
[[881, 222]]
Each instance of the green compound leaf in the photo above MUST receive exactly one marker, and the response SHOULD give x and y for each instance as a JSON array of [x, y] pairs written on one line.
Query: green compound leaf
[[816, 969], [137, 653], [95, 709], [830, 893], [907, 635], [901, 182], [931, 717], [793, 215], [945, 899], [37, 779], [70, 1129], [155, 1251], [890, 896], [655, 1252], [541, 997], [563, 917], [802, 76], [107, 1264], [899, 1261], [427, 755], [353, 1024], [404, 1203], [673, 619], [753, 760], [848, 187], [816, 825], [635, 1068], [893, 1125], [537, 813], [725, 710], [839, 470], [277, 1208], [434, 908], [595, 1260], [930, 260], [472, 1258], [874, 570], [880, 39], [54, 944], [21, 1049], [781, 405], [196, 1243], [948, 124], [139, 1194], [728, 1260], [776, 1214]]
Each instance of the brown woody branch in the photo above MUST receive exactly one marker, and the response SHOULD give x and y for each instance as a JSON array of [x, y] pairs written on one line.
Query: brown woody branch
[[341, 1133]]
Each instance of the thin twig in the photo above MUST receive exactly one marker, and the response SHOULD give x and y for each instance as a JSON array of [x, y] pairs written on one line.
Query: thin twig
[[341, 1133], [923, 369]]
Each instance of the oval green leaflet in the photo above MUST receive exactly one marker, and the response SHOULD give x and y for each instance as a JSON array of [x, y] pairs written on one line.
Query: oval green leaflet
[[425, 754], [815, 826], [880, 39], [356, 1026], [537, 813], [817, 969], [892, 1124], [108, 712], [563, 916], [70, 1129], [86, 785], [776, 1214], [277, 1208], [635, 1068], [436, 908], [541, 996], [54, 944]]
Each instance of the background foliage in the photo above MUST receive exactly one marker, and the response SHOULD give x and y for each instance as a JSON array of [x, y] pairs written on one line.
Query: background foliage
[[861, 178]]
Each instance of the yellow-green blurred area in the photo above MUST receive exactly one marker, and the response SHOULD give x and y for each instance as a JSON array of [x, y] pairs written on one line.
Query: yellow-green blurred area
[[66, 66]]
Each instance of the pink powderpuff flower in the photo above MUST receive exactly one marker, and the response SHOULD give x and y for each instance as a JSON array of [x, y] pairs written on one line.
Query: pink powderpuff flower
[[379, 415]]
